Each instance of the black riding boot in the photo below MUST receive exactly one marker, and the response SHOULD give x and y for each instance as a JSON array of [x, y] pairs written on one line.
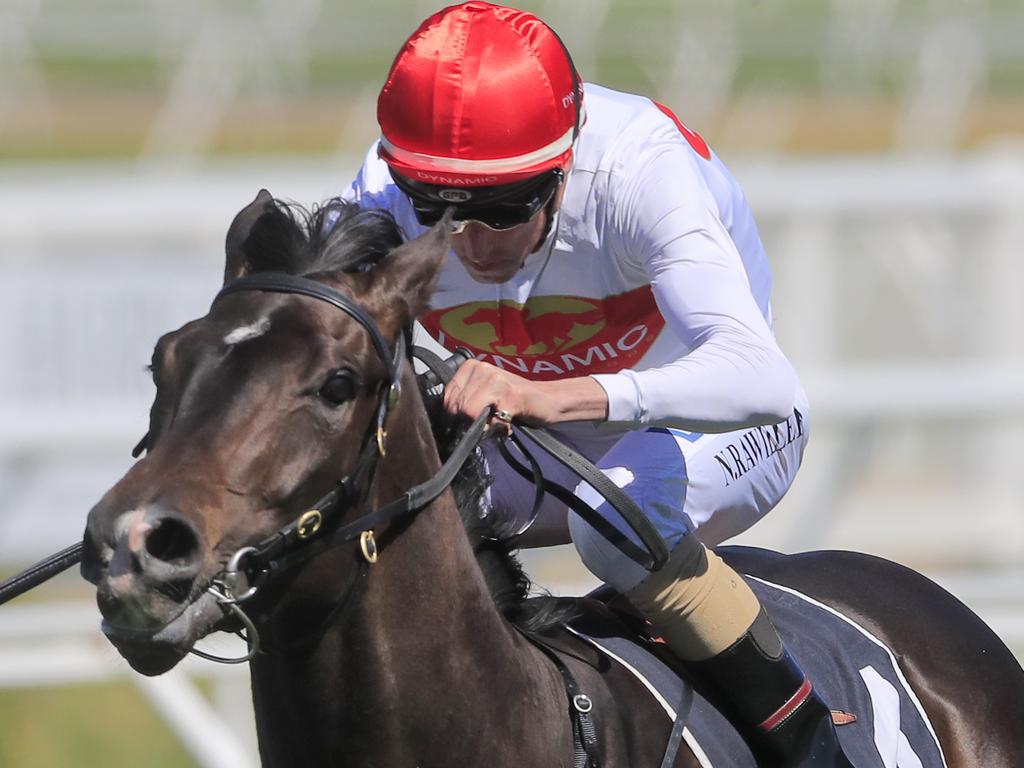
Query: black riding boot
[[758, 686]]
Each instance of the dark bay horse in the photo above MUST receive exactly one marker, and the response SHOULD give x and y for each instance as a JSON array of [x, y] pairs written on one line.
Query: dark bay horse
[[264, 403]]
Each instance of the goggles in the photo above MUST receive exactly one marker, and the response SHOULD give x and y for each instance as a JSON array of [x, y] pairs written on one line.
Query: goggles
[[497, 208]]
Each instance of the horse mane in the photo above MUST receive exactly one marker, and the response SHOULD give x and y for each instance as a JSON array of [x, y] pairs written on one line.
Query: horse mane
[[337, 236], [492, 539], [341, 236]]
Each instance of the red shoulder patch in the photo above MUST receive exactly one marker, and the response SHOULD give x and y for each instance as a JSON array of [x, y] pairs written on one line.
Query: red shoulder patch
[[699, 145]]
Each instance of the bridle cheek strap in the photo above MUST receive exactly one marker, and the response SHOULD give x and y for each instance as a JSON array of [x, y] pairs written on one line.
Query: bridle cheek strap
[[280, 282], [282, 549], [287, 548]]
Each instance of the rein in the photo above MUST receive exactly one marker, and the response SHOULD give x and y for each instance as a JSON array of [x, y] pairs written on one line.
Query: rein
[[651, 554], [301, 540], [41, 572]]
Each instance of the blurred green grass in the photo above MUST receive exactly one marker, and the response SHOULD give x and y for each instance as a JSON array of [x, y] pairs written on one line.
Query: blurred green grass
[[85, 726]]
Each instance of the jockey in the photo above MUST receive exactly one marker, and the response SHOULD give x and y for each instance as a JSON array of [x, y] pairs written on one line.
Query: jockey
[[608, 276]]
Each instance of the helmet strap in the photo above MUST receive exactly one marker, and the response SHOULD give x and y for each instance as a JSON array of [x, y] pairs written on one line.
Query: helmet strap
[[550, 211]]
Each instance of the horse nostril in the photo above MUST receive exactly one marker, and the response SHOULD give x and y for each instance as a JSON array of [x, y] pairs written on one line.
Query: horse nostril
[[173, 541]]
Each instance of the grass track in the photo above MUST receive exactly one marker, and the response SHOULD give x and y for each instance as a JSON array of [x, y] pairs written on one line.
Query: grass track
[[87, 726]]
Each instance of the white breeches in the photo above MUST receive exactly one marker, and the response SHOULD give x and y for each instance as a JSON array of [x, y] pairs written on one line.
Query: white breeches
[[717, 484]]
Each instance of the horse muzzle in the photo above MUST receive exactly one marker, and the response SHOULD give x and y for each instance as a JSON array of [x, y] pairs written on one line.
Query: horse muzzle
[[146, 565]]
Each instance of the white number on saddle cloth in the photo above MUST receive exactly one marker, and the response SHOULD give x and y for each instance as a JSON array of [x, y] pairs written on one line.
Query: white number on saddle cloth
[[892, 744]]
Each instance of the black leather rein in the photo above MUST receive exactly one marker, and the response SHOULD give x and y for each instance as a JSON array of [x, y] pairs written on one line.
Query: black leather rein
[[301, 539]]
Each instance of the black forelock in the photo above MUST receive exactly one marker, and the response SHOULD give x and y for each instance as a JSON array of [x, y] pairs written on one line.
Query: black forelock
[[343, 236], [335, 236]]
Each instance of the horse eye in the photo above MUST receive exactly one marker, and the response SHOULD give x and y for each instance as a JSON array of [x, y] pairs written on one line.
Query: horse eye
[[338, 388]]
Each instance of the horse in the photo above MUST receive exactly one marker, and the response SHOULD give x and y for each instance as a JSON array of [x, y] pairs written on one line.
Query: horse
[[404, 638]]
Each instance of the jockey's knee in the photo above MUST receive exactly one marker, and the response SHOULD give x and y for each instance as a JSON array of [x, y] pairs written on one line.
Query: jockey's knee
[[606, 561], [649, 467]]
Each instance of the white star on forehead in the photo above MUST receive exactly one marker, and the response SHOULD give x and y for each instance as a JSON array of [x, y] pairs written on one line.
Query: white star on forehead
[[247, 332]]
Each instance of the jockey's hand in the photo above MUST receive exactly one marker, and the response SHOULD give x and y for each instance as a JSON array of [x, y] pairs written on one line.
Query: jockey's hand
[[478, 386]]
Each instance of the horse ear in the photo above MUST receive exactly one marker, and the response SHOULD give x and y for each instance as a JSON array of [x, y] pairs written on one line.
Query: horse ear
[[237, 262], [411, 270], [264, 237]]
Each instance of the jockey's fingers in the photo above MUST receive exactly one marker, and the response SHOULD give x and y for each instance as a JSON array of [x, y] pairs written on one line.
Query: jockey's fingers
[[471, 379], [465, 400], [452, 392], [456, 389], [462, 382]]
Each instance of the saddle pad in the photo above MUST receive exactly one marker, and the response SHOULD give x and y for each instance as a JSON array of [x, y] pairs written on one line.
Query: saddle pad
[[851, 670]]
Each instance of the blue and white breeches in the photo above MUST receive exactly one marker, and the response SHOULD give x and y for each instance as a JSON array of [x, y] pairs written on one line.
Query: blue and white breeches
[[716, 484]]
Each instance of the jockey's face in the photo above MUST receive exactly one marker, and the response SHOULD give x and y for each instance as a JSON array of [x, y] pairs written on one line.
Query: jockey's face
[[495, 255]]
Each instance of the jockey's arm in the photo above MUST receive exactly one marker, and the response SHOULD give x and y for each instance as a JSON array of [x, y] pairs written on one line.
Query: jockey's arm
[[733, 374]]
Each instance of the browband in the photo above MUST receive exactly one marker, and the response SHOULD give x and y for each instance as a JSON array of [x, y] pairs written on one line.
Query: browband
[[280, 282]]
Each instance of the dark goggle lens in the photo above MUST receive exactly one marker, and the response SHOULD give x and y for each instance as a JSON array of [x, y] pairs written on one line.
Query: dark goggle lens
[[504, 217], [498, 215]]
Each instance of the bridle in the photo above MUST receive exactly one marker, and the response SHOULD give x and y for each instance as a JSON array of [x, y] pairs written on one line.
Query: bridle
[[315, 530], [318, 529]]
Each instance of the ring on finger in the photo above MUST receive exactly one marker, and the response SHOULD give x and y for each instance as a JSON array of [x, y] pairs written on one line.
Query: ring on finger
[[502, 415]]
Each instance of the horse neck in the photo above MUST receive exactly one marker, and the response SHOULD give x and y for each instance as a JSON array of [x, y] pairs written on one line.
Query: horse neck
[[424, 647]]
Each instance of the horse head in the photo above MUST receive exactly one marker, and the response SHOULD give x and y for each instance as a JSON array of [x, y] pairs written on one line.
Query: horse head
[[260, 407]]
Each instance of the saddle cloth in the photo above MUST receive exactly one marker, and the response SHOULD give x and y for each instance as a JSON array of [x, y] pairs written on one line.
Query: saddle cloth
[[851, 669]]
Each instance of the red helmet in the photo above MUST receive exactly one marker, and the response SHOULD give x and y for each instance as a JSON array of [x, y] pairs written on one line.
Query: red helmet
[[480, 95]]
